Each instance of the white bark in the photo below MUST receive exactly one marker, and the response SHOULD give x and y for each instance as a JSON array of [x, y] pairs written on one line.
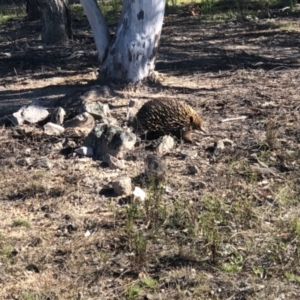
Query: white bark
[[132, 55], [98, 25]]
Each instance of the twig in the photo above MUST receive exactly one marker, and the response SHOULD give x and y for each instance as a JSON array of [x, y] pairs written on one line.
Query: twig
[[234, 119]]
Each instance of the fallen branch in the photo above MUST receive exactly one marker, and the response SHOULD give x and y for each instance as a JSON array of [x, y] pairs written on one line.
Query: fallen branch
[[234, 119]]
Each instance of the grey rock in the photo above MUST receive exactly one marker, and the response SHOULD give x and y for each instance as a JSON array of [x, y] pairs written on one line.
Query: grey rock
[[23, 161], [53, 129], [220, 145], [113, 162], [122, 186], [166, 145], [84, 122], [32, 113], [40, 163], [132, 102], [110, 139], [97, 109], [189, 153], [193, 169], [87, 151], [58, 115]]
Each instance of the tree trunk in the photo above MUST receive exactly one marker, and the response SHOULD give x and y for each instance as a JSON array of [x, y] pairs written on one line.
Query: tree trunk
[[56, 21], [98, 25], [32, 9], [132, 55]]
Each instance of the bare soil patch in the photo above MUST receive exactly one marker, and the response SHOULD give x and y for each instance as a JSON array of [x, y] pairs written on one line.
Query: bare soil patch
[[230, 231]]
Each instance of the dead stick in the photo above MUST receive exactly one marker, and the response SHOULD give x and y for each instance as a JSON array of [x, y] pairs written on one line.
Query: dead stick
[[234, 119]]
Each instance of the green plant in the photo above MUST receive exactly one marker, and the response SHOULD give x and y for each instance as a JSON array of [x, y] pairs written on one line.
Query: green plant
[[209, 221], [133, 291], [21, 223], [7, 254], [28, 296]]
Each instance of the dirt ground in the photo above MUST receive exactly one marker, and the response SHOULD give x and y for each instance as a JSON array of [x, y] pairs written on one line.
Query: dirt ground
[[229, 231]]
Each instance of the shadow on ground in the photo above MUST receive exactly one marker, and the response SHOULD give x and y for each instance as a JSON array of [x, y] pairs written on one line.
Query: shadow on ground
[[188, 46]]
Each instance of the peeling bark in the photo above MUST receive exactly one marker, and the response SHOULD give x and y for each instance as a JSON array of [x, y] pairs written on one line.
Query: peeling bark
[[56, 21], [132, 55]]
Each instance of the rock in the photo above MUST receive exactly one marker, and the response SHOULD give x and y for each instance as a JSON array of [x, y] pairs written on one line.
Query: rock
[[17, 117], [189, 153], [23, 161], [58, 115], [84, 122], [86, 151], [132, 102], [40, 163], [220, 145], [91, 101], [53, 129], [166, 145], [57, 146], [97, 109], [122, 186], [202, 184], [110, 121], [27, 152], [110, 139], [32, 113], [139, 194], [155, 168], [193, 169], [113, 162]]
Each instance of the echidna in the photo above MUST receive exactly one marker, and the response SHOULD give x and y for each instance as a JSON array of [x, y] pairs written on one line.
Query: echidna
[[167, 116]]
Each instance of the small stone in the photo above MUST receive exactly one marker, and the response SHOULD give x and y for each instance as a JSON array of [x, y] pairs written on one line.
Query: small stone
[[190, 153], [202, 184], [53, 129], [86, 151], [139, 194], [220, 145], [88, 181], [113, 162], [58, 115], [169, 190], [57, 146], [122, 186], [27, 151], [23, 161], [193, 169], [132, 102], [40, 163], [166, 145]]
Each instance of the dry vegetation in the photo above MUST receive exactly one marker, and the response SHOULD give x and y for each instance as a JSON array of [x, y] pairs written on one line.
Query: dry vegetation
[[230, 231]]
